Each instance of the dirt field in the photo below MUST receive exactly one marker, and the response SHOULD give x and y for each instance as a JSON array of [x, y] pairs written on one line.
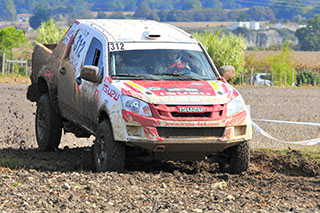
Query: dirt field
[[63, 180]]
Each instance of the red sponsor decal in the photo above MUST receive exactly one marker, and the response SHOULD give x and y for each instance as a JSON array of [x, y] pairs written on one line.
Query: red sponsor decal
[[131, 93], [144, 121], [225, 88], [110, 92], [236, 120], [152, 133], [96, 94], [235, 93], [226, 136], [133, 88], [174, 88], [107, 78], [192, 124], [48, 73]]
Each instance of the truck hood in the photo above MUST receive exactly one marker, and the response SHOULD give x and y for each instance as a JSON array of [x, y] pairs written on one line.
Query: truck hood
[[179, 92]]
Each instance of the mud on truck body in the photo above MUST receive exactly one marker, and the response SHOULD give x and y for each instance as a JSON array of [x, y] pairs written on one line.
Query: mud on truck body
[[105, 78]]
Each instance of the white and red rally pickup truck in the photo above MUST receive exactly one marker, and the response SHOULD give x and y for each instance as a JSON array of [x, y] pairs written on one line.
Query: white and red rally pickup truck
[[142, 84]]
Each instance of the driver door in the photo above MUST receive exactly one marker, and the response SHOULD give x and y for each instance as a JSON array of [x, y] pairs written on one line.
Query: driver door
[[68, 87]]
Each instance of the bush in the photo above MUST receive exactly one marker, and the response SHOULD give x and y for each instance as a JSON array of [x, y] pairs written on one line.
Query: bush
[[281, 66], [308, 77], [49, 32], [224, 49]]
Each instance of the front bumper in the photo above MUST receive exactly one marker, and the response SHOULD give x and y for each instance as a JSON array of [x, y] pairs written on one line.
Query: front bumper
[[199, 136]]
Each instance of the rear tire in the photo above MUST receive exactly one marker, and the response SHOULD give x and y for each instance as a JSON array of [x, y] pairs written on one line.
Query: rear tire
[[235, 159], [48, 125], [109, 155]]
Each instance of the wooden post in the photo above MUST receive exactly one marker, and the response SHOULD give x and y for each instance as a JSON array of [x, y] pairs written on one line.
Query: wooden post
[[251, 77], [3, 62], [292, 84], [27, 67]]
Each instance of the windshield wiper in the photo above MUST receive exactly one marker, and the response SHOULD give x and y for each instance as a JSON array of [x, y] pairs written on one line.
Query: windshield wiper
[[127, 75], [180, 75], [132, 75]]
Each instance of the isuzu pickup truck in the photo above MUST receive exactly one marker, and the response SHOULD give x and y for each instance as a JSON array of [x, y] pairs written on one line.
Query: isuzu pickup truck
[[138, 84]]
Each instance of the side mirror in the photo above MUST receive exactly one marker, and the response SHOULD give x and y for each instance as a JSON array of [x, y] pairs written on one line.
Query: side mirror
[[90, 73], [228, 72]]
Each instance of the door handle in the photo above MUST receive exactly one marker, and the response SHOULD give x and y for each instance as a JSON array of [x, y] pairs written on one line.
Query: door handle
[[63, 71]]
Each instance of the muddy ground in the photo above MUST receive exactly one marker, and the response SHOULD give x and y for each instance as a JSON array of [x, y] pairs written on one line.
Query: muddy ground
[[63, 181]]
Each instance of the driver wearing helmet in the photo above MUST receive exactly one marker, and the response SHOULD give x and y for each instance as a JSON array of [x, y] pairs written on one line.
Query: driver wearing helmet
[[173, 63]]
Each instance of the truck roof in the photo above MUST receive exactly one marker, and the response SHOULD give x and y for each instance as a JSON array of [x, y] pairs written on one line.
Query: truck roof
[[128, 30]]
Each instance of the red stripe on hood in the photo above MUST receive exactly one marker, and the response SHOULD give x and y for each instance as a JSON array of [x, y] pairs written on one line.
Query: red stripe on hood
[[175, 88]]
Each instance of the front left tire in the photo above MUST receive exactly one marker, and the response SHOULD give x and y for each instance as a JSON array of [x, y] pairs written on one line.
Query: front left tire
[[48, 125], [109, 155]]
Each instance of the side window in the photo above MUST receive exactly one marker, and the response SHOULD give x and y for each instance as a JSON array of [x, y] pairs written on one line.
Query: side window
[[94, 54]]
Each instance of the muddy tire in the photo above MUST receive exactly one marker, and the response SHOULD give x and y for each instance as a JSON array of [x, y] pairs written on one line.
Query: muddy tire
[[48, 125], [235, 159], [109, 155]]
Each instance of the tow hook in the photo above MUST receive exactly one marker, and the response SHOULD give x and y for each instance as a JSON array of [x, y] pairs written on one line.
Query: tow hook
[[159, 148]]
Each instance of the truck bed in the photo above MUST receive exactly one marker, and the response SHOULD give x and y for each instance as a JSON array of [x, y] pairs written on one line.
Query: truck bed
[[41, 55]]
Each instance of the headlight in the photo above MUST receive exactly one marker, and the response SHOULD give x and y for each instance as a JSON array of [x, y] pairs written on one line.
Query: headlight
[[235, 106], [136, 106]]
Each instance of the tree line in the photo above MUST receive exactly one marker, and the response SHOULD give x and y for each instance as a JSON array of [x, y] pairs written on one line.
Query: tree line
[[169, 10]]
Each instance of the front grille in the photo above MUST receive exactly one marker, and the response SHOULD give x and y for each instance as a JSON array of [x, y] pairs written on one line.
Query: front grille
[[174, 112], [190, 132]]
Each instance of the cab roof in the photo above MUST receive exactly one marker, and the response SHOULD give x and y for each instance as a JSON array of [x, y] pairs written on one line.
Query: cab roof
[[127, 30]]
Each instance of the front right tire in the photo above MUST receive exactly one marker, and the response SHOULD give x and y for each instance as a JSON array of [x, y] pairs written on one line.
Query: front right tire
[[235, 159]]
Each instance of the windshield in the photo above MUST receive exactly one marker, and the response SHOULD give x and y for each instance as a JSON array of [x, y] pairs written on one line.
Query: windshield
[[160, 64]]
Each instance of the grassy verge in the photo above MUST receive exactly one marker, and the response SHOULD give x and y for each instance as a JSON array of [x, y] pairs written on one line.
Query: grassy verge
[[14, 78], [306, 153], [15, 162]]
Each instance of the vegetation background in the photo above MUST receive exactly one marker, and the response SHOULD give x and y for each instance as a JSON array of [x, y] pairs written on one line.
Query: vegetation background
[[224, 46]]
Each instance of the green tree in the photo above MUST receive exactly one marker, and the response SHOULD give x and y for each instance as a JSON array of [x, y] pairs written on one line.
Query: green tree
[[309, 36], [163, 15], [215, 14], [161, 4], [142, 11], [281, 66], [41, 15], [259, 13], [287, 9], [211, 4], [224, 49], [117, 15], [198, 15], [230, 4], [153, 16], [190, 4], [49, 32], [174, 15], [102, 15], [11, 38], [7, 10], [110, 5]]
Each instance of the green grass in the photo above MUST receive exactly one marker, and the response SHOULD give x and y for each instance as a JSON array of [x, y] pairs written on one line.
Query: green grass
[[14, 78], [16, 183], [307, 153], [14, 163]]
